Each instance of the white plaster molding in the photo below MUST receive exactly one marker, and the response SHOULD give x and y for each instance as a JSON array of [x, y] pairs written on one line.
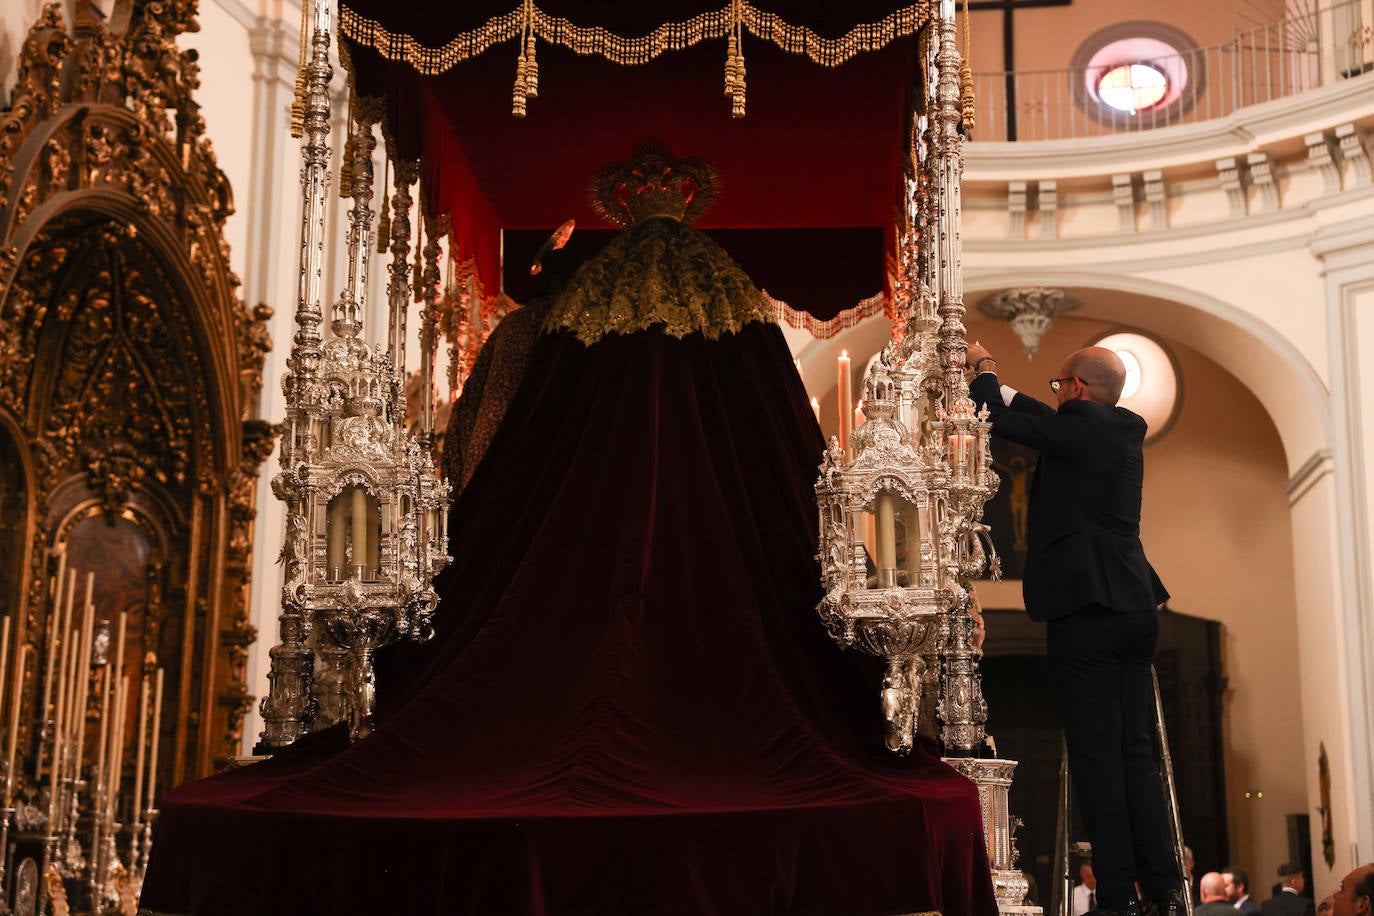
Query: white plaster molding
[[1261, 168], [1231, 172], [1295, 215], [1344, 284], [1354, 144], [1324, 154], [1156, 198], [1345, 246], [1123, 194], [1163, 147], [1016, 206], [275, 46], [1311, 473], [243, 15], [1047, 202]]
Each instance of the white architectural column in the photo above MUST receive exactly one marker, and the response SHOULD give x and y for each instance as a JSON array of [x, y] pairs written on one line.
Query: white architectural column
[[269, 275], [1347, 253]]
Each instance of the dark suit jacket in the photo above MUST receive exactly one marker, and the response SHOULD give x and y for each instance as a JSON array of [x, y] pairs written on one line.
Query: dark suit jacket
[[1249, 907], [1215, 908], [1084, 514], [1286, 904]]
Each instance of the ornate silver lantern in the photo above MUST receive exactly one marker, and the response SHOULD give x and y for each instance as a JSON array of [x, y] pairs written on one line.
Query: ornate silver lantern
[[367, 516], [900, 503]]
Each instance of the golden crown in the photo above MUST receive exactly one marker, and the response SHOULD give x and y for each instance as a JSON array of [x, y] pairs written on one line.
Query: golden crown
[[653, 183]]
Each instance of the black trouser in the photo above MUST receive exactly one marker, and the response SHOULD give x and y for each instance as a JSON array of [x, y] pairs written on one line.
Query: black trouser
[[1100, 672]]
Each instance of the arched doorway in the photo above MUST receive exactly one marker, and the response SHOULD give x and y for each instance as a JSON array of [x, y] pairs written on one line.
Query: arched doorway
[[1240, 522]]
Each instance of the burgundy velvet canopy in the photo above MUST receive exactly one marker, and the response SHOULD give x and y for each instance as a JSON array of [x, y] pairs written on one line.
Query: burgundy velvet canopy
[[630, 704], [820, 147]]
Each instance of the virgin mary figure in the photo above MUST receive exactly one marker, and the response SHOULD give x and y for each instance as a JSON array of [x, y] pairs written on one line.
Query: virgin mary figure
[[629, 705]]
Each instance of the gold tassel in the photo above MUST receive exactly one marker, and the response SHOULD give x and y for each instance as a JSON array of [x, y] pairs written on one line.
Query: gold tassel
[[532, 70], [737, 110], [521, 91], [967, 109], [298, 95], [732, 65], [734, 62], [418, 277], [384, 221], [349, 165]]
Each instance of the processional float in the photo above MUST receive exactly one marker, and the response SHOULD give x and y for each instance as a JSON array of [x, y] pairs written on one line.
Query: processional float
[[901, 501], [367, 515]]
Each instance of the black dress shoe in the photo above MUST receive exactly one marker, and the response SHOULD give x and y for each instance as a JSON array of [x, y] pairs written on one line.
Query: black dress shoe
[[1169, 904], [1126, 909], [1172, 904]]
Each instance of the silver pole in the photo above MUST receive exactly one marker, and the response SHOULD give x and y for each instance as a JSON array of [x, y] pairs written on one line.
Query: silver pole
[[1171, 794]]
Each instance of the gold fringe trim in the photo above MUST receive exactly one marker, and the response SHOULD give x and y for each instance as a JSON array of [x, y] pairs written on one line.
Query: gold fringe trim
[[824, 330], [528, 22], [967, 108]]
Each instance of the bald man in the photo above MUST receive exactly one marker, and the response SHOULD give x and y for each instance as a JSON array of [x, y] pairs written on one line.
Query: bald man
[[1212, 893], [1088, 579], [1355, 896]]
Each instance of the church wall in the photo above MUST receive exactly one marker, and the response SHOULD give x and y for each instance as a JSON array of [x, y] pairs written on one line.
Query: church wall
[[1326, 707]]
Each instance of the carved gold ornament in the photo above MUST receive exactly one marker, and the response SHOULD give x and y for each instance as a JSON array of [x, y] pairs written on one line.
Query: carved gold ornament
[[129, 368]]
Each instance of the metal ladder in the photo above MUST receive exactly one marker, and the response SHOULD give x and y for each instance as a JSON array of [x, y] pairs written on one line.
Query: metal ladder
[[1063, 886]]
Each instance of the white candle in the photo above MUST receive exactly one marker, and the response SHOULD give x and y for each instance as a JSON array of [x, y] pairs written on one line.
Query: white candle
[[117, 662], [102, 754], [846, 405], [335, 521], [4, 658], [84, 667], [58, 740], [117, 745], [886, 537], [359, 527], [16, 696], [911, 519], [816, 409], [142, 746], [53, 616], [157, 733]]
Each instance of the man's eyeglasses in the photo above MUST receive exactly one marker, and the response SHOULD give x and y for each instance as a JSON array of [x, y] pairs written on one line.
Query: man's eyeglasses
[[1056, 382]]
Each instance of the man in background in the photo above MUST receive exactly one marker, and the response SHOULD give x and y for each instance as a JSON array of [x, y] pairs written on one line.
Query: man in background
[[1289, 900], [1355, 896], [1212, 893], [1238, 890], [1085, 892]]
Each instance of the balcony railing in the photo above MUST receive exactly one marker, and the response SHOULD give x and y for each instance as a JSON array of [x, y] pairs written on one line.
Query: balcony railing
[[1287, 57]]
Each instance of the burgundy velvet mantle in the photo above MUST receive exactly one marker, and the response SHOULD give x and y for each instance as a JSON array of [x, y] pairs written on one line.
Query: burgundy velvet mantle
[[629, 706]]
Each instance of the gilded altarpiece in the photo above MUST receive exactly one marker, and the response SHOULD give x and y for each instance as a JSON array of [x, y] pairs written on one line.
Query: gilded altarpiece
[[129, 368]]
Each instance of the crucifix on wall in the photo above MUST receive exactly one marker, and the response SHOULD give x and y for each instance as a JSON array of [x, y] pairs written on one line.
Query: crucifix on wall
[[1007, 8]]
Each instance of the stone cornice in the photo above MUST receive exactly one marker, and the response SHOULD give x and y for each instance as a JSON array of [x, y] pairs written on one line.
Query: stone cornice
[[1167, 147]]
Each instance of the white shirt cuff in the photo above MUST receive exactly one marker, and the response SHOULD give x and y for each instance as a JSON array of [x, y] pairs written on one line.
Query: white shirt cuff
[[1008, 393]]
